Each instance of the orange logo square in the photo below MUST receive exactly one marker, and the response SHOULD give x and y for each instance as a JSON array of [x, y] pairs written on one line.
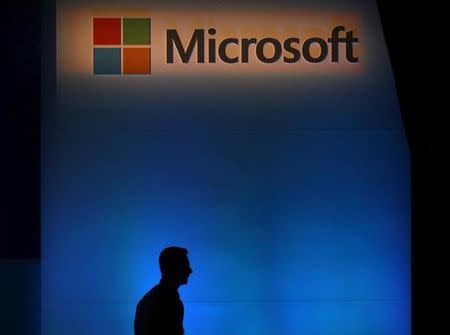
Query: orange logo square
[[136, 61]]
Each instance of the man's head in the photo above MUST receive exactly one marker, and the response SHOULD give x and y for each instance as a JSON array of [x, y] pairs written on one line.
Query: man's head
[[174, 265]]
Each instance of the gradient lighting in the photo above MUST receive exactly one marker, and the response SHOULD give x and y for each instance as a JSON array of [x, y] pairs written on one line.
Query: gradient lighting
[[291, 194]]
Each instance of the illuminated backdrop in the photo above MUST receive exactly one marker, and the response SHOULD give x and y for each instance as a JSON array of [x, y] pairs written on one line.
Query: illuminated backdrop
[[289, 188]]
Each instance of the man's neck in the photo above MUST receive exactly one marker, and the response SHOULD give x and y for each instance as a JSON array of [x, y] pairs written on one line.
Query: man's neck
[[170, 284]]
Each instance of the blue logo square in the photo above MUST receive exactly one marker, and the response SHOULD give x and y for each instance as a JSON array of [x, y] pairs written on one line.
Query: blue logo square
[[107, 61]]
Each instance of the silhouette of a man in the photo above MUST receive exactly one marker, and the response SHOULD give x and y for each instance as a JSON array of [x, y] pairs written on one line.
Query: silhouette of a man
[[161, 311]]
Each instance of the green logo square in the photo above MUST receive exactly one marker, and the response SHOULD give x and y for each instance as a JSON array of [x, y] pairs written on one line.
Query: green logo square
[[136, 31]]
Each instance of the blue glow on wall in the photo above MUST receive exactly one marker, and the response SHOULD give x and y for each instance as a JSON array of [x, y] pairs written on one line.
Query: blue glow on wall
[[293, 202]]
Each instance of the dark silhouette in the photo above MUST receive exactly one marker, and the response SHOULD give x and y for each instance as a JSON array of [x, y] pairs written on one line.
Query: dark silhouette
[[161, 311]]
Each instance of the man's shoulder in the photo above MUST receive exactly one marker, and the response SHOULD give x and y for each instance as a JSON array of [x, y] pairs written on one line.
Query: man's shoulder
[[152, 295]]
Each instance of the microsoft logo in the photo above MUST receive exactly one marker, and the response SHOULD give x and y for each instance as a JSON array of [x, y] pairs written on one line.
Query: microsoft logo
[[122, 46]]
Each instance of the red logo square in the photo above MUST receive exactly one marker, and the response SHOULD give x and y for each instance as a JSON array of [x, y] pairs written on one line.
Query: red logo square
[[107, 31]]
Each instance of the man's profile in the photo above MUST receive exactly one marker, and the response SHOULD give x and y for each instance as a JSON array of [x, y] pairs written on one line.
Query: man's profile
[[161, 311]]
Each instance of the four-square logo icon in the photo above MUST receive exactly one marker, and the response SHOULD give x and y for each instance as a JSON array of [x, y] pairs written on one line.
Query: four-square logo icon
[[122, 46]]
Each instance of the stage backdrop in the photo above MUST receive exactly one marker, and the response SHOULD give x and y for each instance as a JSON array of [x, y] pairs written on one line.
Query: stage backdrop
[[289, 184]]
